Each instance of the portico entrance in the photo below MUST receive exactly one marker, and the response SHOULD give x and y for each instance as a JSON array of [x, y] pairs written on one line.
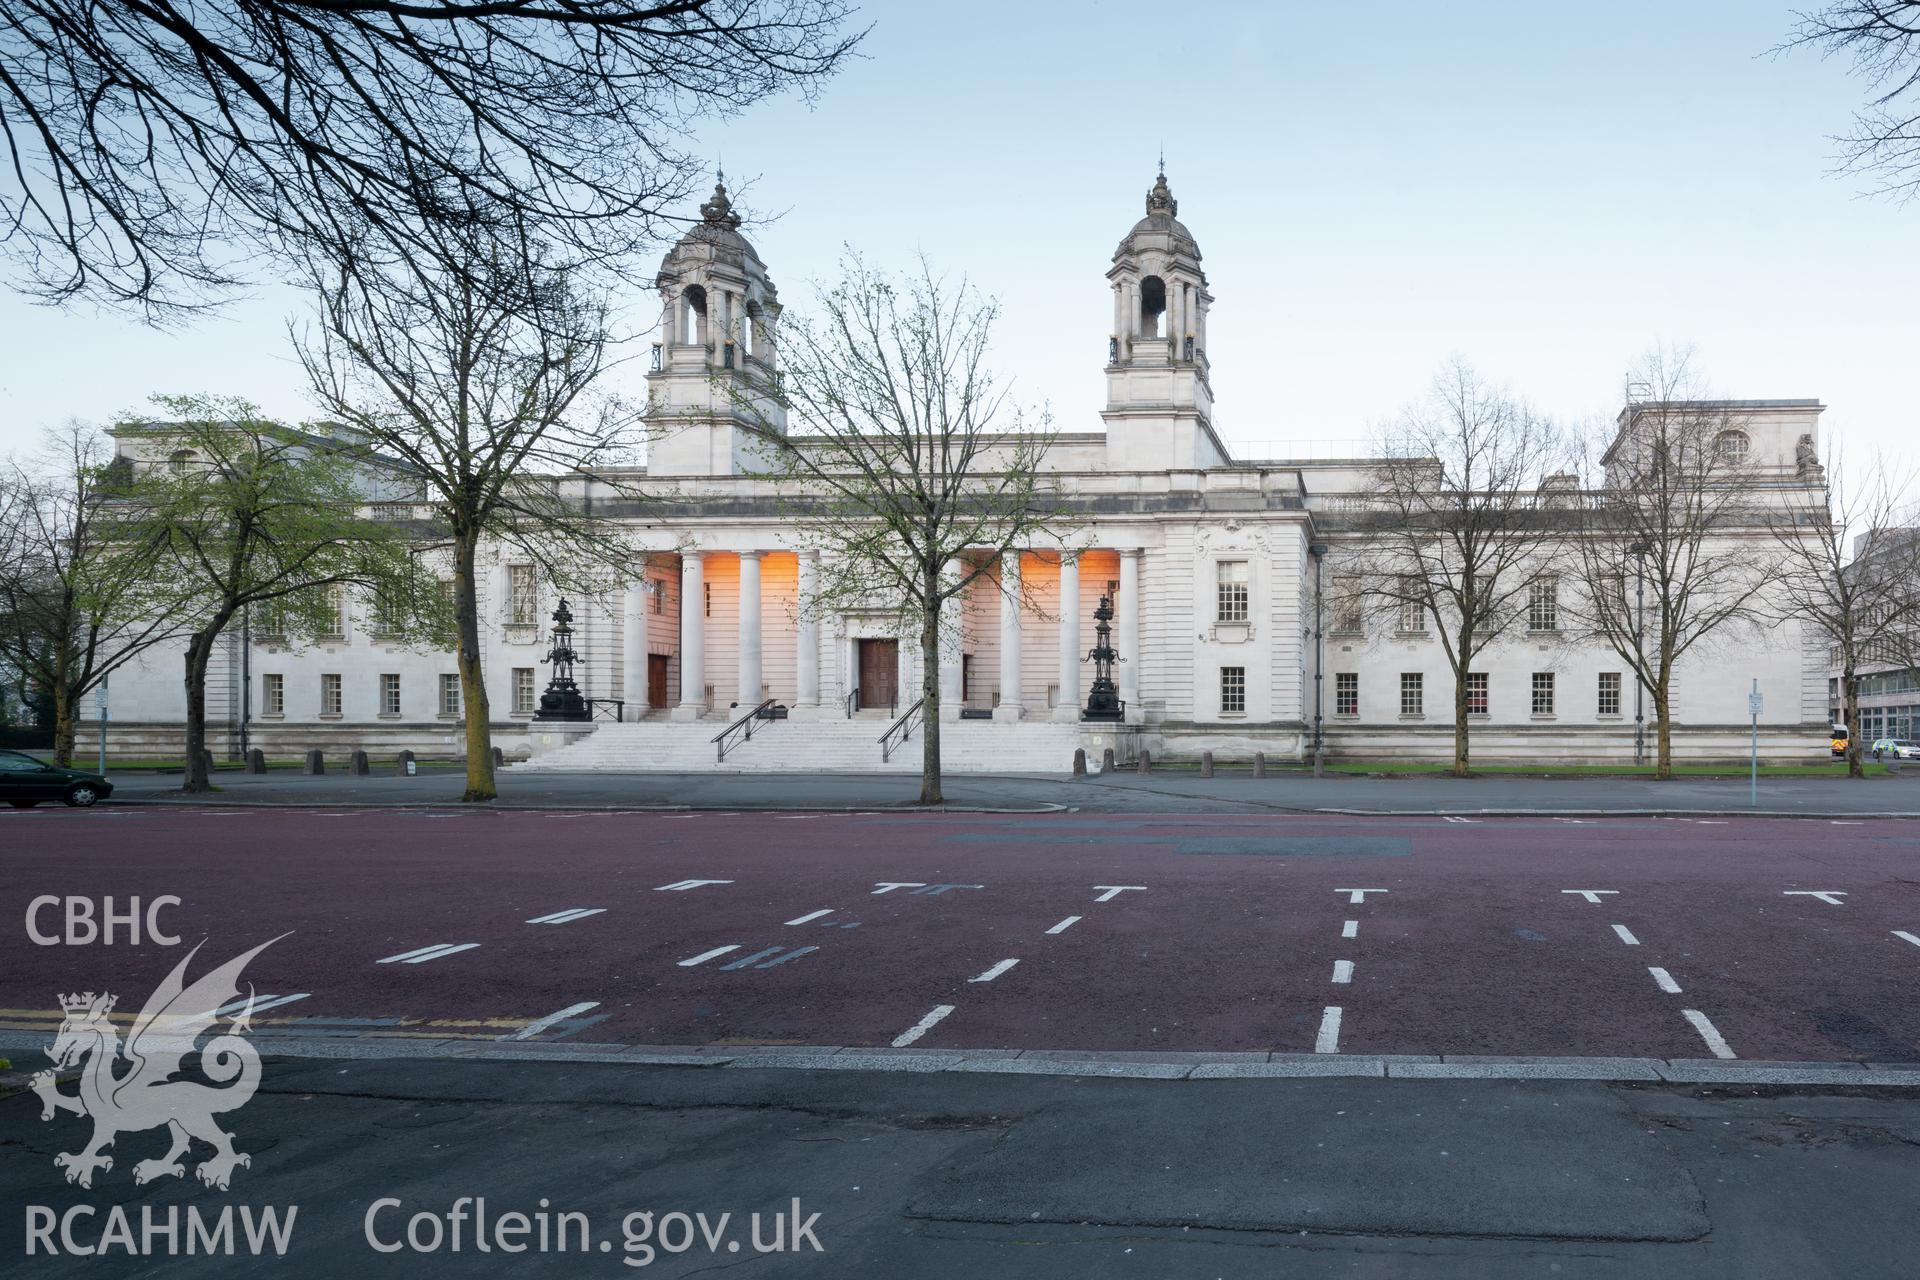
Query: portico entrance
[[879, 673]]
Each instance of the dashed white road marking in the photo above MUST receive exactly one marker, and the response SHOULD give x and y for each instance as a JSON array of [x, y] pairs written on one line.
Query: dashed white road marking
[[1115, 890], [538, 1025], [1328, 1041], [420, 955], [682, 886], [1626, 935], [1665, 980], [921, 1027], [1460, 820], [1351, 929], [1715, 1041], [568, 916], [812, 915], [1343, 971], [705, 956], [995, 972], [1838, 822], [260, 1003], [1064, 925], [1829, 896], [1591, 895], [1902, 933], [1360, 895], [1578, 822], [888, 886]]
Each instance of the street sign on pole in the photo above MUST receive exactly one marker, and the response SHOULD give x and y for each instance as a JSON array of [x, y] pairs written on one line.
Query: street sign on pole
[[1755, 705]]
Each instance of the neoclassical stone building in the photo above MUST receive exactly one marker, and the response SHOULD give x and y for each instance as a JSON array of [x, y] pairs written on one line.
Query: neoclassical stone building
[[1221, 571]]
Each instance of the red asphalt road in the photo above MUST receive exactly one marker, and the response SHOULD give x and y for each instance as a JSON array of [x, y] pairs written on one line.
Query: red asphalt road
[[1475, 948]]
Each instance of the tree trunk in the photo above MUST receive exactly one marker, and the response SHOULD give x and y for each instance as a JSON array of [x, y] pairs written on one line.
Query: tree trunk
[[473, 679], [199, 654], [1663, 738], [1850, 712], [930, 792], [65, 725], [1461, 749]]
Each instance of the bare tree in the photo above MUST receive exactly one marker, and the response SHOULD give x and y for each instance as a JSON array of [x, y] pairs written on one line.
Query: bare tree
[[473, 364], [78, 598], [1675, 510], [155, 148], [908, 455], [1883, 39], [1457, 534], [1850, 571], [260, 515]]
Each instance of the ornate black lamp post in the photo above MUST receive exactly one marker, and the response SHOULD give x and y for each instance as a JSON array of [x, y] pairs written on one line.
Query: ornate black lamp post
[[1103, 700], [562, 700]]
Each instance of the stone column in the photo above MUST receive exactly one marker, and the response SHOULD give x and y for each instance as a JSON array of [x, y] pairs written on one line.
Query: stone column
[[1009, 709], [693, 636], [806, 663], [952, 641], [750, 677], [633, 651], [1069, 708], [1128, 641]]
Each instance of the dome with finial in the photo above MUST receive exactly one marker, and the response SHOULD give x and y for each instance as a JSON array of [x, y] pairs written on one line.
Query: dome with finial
[[716, 236], [718, 212], [1160, 229]]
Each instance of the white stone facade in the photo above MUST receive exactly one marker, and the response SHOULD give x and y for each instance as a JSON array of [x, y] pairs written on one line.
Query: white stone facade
[[1213, 559]]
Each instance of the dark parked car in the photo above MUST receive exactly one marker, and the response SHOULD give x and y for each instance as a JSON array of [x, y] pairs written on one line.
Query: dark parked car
[[25, 782]]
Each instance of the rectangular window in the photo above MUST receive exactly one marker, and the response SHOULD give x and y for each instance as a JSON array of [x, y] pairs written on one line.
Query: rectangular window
[[450, 695], [389, 695], [1543, 604], [389, 610], [1233, 596], [1233, 691], [708, 593], [1346, 605], [273, 695], [329, 695], [523, 596], [1412, 694], [1609, 693], [523, 690], [1413, 609], [1346, 693], [1476, 693], [1543, 693], [658, 590], [337, 624], [270, 622]]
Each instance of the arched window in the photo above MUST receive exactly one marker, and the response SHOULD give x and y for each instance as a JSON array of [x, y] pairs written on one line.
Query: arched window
[[1153, 305], [1731, 446], [693, 319], [750, 328], [179, 461]]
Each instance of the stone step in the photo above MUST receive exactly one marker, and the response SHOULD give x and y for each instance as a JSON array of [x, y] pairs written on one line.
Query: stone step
[[830, 745]]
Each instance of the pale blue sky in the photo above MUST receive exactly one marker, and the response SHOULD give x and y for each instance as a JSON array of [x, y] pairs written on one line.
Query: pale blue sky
[[1546, 190]]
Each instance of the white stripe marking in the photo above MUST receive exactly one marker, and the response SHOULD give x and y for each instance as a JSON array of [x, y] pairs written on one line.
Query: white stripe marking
[[1329, 1039], [705, 956], [1715, 1041], [1343, 971], [1064, 925], [921, 1027], [1829, 896], [1461, 820], [538, 1025], [568, 916], [683, 885], [1359, 896], [259, 1003], [1351, 929], [1902, 933], [1626, 935], [420, 955], [1115, 890], [812, 915], [1665, 979], [888, 886], [1591, 895], [995, 972]]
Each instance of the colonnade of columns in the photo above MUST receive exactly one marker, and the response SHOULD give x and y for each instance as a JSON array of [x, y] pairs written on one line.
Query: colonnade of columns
[[750, 686]]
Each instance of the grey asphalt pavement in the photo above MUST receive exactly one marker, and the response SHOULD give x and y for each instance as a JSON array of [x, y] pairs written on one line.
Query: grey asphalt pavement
[[1167, 791], [950, 1175]]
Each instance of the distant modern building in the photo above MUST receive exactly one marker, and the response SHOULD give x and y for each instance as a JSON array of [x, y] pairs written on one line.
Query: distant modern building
[[1226, 575]]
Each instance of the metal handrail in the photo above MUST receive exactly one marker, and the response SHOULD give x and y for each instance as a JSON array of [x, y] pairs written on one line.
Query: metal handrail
[[853, 701], [903, 726], [720, 739]]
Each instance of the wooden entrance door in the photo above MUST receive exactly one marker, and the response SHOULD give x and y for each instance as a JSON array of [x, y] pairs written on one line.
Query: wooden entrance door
[[879, 672], [657, 680]]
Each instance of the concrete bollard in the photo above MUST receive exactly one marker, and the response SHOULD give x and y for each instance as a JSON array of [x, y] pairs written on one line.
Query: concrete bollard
[[316, 761], [357, 764], [1145, 764], [256, 760], [1206, 764], [1079, 762], [404, 764], [1259, 764], [499, 758], [1106, 760]]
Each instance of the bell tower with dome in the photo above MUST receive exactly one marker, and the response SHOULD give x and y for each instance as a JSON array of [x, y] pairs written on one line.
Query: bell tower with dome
[[719, 315], [1159, 412]]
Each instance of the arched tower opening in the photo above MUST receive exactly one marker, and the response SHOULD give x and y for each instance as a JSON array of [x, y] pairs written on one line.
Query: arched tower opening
[[1153, 307]]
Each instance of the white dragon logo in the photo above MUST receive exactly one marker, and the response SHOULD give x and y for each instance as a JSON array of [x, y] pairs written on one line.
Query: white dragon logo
[[148, 1096]]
